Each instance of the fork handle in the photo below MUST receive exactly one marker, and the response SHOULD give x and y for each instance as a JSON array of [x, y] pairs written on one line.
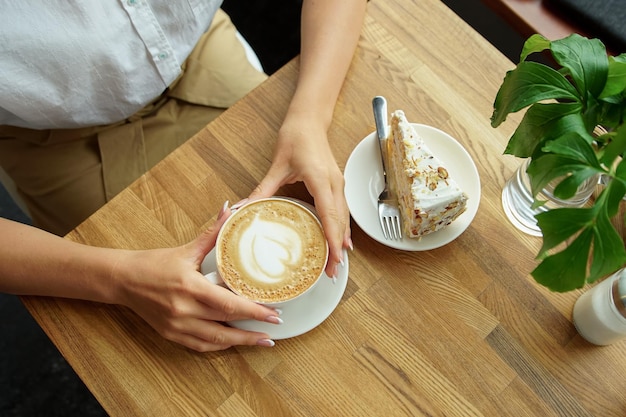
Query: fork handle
[[379, 105]]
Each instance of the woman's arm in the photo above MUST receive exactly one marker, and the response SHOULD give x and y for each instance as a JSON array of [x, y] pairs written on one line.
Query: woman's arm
[[163, 286], [35, 262], [330, 31]]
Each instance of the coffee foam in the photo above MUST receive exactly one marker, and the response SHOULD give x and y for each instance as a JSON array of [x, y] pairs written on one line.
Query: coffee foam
[[272, 251]]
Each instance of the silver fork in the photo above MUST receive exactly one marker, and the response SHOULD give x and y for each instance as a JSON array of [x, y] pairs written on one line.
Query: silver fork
[[388, 209]]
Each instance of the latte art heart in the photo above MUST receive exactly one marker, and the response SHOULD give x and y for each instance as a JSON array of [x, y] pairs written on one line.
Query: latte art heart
[[269, 249]]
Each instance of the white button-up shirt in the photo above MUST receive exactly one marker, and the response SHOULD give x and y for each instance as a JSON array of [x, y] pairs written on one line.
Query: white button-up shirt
[[85, 62]]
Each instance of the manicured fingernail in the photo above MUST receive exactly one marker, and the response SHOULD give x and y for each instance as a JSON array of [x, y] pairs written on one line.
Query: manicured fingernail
[[350, 244], [278, 311], [266, 342], [239, 204], [274, 320], [223, 210], [334, 278], [341, 262]]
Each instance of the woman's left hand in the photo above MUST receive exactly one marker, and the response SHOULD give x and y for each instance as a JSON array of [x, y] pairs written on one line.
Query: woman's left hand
[[303, 154]]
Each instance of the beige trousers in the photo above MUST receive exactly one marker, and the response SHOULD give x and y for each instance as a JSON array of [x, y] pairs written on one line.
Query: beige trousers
[[64, 176]]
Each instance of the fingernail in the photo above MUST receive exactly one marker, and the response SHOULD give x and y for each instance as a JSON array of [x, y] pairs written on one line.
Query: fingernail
[[274, 320], [350, 244], [278, 311], [341, 262], [239, 204], [334, 278], [223, 210], [266, 342]]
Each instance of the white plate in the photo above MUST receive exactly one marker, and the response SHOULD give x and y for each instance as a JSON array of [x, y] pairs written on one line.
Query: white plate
[[304, 315], [364, 181]]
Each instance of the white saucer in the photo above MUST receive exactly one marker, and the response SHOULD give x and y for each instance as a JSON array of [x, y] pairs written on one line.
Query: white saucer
[[364, 181], [307, 313]]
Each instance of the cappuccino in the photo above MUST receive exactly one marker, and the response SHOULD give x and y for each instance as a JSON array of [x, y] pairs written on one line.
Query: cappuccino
[[271, 250]]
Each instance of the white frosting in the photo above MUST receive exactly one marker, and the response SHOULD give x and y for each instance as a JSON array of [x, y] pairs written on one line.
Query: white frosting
[[424, 172], [429, 198], [268, 249]]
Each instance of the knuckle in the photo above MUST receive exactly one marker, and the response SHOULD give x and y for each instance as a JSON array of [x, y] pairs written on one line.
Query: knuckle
[[218, 338], [203, 347], [177, 310], [169, 333], [229, 308], [332, 216]]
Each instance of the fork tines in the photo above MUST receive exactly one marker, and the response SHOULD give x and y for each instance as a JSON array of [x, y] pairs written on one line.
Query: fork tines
[[390, 221]]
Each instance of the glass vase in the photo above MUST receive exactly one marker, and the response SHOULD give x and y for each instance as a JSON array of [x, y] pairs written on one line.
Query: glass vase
[[517, 199]]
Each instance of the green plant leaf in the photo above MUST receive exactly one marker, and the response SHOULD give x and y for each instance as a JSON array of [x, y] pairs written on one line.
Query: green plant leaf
[[616, 80], [535, 43], [608, 248], [620, 171], [575, 146], [615, 192], [611, 111], [615, 189], [528, 83], [585, 60], [558, 225], [615, 148], [566, 270], [550, 167], [568, 187], [573, 160], [542, 122]]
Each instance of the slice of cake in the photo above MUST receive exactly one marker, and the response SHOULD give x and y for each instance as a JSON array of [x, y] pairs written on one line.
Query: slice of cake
[[429, 199]]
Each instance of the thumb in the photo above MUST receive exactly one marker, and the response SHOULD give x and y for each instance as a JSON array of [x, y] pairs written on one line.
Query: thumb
[[206, 241]]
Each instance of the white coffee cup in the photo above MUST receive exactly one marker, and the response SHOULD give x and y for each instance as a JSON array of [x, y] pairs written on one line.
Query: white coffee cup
[[271, 251]]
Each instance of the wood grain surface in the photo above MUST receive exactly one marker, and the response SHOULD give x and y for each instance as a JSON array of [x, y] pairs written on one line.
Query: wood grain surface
[[462, 330]]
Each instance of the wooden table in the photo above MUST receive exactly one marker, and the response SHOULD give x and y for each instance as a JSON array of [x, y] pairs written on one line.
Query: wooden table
[[457, 331]]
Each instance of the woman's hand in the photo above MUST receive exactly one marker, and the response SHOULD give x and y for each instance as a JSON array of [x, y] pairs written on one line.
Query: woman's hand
[[330, 31], [302, 153], [164, 287]]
